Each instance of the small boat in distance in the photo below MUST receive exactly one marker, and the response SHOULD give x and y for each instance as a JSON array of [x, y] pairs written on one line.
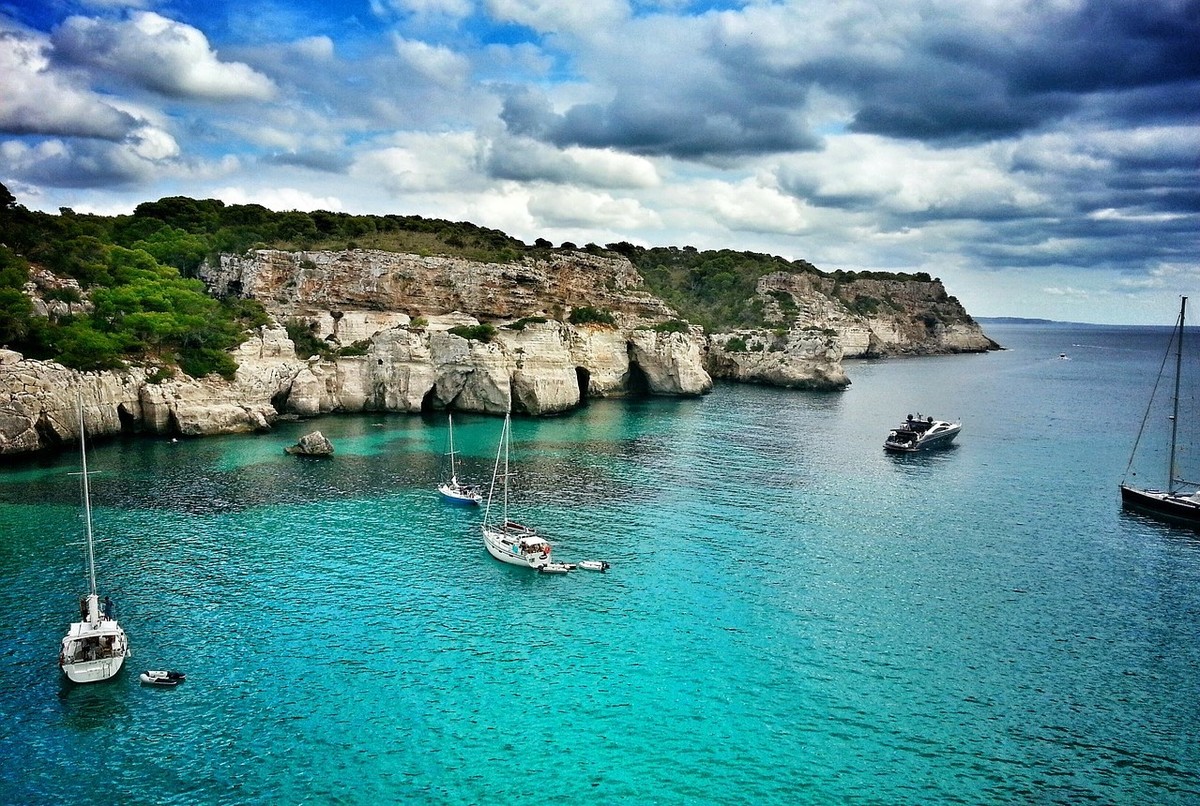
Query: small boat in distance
[[921, 433], [455, 491], [1180, 502], [95, 646], [506, 540], [162, 678]]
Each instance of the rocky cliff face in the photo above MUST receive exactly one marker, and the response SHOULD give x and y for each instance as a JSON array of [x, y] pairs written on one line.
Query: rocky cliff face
[[817, 321], [382, 285], [539, 365], [873, 318], [399, 310]]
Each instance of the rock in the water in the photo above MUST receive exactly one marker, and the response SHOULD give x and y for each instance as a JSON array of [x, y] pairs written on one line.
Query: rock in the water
[[314, 444]]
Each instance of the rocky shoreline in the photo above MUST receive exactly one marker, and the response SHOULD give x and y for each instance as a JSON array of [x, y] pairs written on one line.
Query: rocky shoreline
[[405, 316]]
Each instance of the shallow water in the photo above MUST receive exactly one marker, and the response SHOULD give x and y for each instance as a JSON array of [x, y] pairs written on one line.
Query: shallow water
[[792, 615]]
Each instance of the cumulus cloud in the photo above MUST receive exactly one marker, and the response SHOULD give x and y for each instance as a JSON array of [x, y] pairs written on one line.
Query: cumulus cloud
[[158, 54], [436, 64], [737, 82], [281, 198], [422, 163], [648, 123], [528, 160], [453, 9], [37, 100], [559, 206], [91, 163], [559, 16], [859, 171]]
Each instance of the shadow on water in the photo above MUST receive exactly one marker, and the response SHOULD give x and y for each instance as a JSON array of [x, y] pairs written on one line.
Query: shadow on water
[[1182, 532], [94, 706], [928, 458]]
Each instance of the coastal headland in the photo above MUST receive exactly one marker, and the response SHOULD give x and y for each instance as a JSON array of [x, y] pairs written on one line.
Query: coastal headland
[[357, 329]]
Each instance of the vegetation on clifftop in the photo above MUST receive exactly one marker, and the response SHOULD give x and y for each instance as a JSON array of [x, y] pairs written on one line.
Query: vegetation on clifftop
[[141, 307]]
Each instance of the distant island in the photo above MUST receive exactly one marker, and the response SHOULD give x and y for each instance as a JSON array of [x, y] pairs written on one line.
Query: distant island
[[1016, 320], [1021, 320]]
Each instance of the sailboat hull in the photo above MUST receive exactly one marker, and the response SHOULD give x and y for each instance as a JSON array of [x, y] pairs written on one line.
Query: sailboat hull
[[501, 546], [457, 496], [1161, 505], [93, 671], [93, 652]]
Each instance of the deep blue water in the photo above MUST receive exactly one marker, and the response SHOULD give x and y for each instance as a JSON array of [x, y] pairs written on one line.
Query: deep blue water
[[792, 615]]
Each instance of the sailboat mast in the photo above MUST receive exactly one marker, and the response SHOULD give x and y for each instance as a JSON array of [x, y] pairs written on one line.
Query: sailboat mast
[[87, 503], [507, 436], [453, 469], [1172, 474]]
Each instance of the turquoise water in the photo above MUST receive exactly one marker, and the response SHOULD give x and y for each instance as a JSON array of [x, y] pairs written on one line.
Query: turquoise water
[[792, 615]]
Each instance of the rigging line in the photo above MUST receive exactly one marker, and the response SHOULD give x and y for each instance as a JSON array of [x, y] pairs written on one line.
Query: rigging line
[[1150, 405]]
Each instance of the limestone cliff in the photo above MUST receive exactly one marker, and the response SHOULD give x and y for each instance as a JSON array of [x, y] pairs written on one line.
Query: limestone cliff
[[816, 321], [407, 333], [398, 312]]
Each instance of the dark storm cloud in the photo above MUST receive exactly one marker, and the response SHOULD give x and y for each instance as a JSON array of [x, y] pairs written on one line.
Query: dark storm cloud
[[37, 101], [1139, 58], [955, 80], [87, 164], [650, 126]]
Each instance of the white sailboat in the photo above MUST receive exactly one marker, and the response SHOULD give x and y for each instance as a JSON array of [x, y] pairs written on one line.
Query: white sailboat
[[95, 646], [506, 540], [455, 491]]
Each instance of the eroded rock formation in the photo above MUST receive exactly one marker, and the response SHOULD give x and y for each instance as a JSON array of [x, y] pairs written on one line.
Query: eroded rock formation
[[399, 314]]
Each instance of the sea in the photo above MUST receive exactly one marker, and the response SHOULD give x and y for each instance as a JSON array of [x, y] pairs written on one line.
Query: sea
[[791, 615]]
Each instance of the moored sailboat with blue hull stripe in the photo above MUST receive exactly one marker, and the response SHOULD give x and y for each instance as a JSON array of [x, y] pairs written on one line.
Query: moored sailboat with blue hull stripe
[[455, 491]]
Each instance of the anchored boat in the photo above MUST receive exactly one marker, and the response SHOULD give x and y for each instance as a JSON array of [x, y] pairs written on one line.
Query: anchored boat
[[506, 540], [455, 491], [95, 646], [921, 433], [1180, 502], [162, 678]]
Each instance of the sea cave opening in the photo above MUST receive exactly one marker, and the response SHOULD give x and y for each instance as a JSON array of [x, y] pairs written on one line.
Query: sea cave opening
[[129, 422], [429, 403], [583, 378], [639, 384]]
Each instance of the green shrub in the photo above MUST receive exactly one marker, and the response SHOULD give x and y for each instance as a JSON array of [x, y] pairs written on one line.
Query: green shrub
[[785, 300], [63, 294], [587, 315], [864, 305], [483, 333], [360, 347], [160, 374], [735, 345], [208, 361], [307, 343], [527, 320]]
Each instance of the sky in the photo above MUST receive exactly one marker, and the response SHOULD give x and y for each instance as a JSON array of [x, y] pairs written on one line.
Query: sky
[[1041, 157]]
